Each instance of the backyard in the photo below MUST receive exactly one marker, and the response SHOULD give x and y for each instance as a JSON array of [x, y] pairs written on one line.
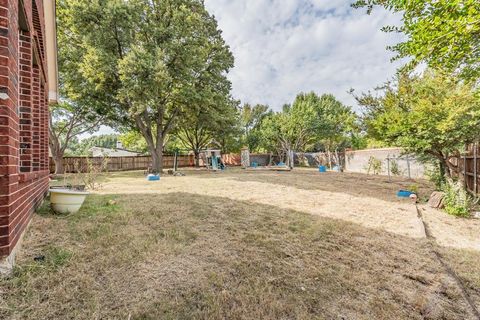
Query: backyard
[[247, 245]]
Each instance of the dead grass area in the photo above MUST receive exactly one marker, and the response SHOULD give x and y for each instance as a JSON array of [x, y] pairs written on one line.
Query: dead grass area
[[466, 264], [172, 250], [354, 184], [281, 189]]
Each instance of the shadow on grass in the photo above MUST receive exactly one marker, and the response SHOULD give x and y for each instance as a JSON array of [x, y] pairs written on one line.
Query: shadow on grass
[[184, 256]]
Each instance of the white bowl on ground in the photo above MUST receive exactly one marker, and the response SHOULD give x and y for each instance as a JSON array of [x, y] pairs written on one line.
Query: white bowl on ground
[[67, 200]]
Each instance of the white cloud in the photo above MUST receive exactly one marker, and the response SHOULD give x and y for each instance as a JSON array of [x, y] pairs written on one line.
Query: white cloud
[[282, 47]]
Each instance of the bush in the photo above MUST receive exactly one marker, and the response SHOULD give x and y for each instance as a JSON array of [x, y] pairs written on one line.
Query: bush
[[457, 201], [374, 165]]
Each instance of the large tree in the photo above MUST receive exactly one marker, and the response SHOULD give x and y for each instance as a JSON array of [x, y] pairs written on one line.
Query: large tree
[[338, 127], [67, 122], [433, 116], [443, 33], [146, 62], [311, 121], [337, 123]]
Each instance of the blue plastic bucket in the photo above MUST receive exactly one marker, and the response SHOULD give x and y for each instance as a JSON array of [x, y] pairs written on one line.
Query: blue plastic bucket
[[322, 168], [404, 194], [153, 177]]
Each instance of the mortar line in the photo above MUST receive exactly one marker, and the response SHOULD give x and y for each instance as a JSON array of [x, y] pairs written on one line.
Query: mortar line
[[433, 242]]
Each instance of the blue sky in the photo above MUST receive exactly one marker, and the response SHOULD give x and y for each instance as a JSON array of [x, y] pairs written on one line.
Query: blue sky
[[283, 47]]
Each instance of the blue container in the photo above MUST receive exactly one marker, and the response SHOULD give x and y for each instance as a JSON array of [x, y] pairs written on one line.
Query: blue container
[[254, 164], [153, 177], [322, 168], [404, 194]]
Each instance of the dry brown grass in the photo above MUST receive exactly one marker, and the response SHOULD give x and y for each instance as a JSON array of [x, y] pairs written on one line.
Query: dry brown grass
[[466, 264], [181, 255]]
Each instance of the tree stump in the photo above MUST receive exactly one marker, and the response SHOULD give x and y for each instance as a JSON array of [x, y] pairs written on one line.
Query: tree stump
[[436, 200]]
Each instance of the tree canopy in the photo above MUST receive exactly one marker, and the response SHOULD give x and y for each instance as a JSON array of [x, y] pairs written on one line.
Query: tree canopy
[[206, 125], [145, 63], [67, 122], [432, 115], [251, 118], [310, 122], [443, 33]]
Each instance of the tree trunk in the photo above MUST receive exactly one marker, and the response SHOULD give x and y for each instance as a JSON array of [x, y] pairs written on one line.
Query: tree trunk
[[329, 154], [58, 159], [157, 161], [197, 158], [57, 154], [447, 167]]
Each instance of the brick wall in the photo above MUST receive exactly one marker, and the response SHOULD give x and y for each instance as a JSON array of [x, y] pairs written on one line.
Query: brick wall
[[23, 117]]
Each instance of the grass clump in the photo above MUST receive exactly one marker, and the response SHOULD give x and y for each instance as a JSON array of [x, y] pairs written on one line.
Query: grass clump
[[51, 260]]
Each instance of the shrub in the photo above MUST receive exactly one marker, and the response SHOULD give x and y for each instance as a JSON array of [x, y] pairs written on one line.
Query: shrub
[[394, 168], [413, 188], [457, 201], [92, 173], [374, 165]]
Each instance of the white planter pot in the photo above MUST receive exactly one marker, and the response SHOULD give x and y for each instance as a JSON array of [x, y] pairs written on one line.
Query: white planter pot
[[66, 200]]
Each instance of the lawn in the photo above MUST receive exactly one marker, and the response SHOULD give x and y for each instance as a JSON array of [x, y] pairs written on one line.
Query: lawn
[[243, 245]]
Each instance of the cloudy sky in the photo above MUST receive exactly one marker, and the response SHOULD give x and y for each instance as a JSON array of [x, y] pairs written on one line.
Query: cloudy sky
[[282, 47]]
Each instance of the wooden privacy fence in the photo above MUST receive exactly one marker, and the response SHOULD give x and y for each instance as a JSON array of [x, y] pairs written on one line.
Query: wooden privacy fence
[[466, 168], [80, 164]]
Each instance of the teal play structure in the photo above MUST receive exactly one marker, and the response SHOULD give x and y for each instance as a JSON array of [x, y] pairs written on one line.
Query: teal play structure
[[213, 160]]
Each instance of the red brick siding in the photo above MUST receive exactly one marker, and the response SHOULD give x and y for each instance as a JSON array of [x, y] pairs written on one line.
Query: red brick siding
[[23, 119]]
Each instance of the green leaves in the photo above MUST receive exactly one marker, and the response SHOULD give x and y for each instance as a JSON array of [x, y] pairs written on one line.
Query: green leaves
[[251, 118], [311, 122], [443, 33], [143, 63], [431, 115]]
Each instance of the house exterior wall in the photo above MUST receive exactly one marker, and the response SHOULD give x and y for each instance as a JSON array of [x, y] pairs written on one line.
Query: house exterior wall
[[23, 117]]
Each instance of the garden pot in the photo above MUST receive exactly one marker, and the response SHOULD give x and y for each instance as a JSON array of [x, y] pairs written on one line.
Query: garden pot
[[67, 200], [77, 187]]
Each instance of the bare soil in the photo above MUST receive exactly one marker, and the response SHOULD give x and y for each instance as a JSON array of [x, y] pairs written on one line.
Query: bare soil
[[238, 245]]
